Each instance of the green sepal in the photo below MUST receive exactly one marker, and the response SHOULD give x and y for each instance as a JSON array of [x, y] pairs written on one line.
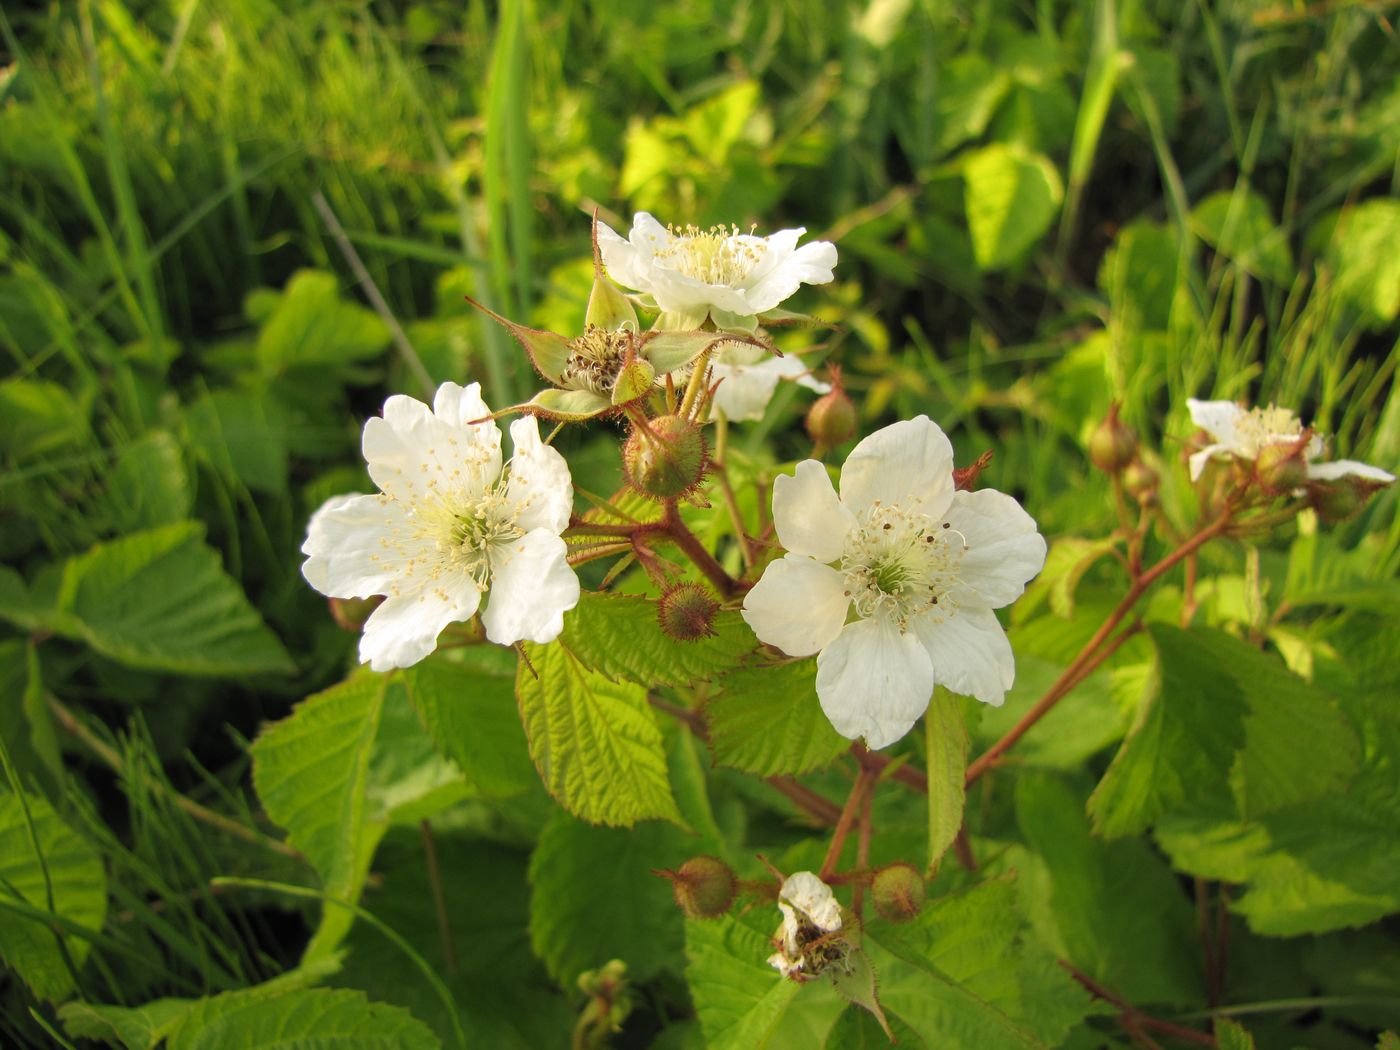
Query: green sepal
[[549, 353], [635, 380], [857, 984], [778, 317], [680, 320], [573, 406], [608, 308], [728, 322], [668, 351]]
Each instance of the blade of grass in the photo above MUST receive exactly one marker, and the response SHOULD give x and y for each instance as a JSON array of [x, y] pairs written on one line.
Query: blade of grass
[[507, 174]]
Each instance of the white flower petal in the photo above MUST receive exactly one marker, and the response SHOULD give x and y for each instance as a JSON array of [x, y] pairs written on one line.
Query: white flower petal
[[874, 682], [809, 517], [811, 264], [1219, 418], [745, 390], [1004, 550], [458, 406], [358, 546], [969, 652], [404, 629], [413, 455], [1348, 468], [532, 587], [813, 898], [1197, 462], [909, 463], [540, 488], [625, 263], [799, 605]]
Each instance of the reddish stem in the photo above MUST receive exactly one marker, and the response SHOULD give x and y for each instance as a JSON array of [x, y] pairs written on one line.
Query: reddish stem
[[865, 778], [1134, 1020]]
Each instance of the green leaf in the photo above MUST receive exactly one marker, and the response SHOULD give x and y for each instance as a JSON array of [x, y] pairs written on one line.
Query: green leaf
[[976, 939], [148, 485], [739, 998], [17, 603], [1139, 274], [768, 720], [37, 418], [136, 1028], [669, 350], [573, 406], [305, 1019], [409, 778], [470, 712], [594, 897], [47, 858], [311, 771], [594, 741], [241, 436], [26, 726], [1179, 751], [1298, 744], [1361, 254], [1114, 908], [618, 636], [1240, 225], [1012, 196], [312, 327], [160, 600], [858, 1029], [945, 734], [1231, 1035]]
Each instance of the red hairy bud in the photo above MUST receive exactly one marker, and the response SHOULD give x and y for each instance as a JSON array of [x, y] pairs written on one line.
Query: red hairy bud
[[832, 419], [1113, 445], [704, 887], [686, 612], [665, 457], [898, 892], [1141, 482]]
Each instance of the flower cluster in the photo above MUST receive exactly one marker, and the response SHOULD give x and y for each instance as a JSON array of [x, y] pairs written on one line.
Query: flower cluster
[[809, 941]]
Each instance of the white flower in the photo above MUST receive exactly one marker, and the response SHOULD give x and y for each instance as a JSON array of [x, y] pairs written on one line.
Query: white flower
[[448, 527], [750, 374], [693, 271], [1242, 433], [920, 566], [810, 912]]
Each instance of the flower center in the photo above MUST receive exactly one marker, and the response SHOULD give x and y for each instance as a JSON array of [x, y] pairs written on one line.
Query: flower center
[[720, 255], [899, 564], [1262, 426], [595, 359], [476, 526]]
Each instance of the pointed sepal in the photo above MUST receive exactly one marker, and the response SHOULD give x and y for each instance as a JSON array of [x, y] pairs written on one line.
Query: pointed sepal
[[636, 379], [549, 353], [571, 406]]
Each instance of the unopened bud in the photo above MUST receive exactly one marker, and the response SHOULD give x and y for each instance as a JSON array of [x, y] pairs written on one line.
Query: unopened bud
[[1281, 465], [1141, 481], [665, 457], [350, 614], [686, 612], [1113, 445], [1337, 502], [898, 892], [832, 420], [704, 887]]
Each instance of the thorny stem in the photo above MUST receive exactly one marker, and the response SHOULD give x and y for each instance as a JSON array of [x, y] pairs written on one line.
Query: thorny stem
[[430, 854], [818, 807], [687, 541], [671, 527], [110, 758], [1131, 1018], [1090, 656], [865, 779], [867, 829]]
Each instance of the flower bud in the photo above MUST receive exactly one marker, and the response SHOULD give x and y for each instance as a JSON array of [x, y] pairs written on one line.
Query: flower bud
[[704, 887], [665, 457], [1113, 445], [1281, 466], [898, 892], [831, 420], [1141, 482], [686, 612], [1337, 502]]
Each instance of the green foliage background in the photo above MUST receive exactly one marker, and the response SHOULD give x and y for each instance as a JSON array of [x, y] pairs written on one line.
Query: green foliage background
[[1040, 208]]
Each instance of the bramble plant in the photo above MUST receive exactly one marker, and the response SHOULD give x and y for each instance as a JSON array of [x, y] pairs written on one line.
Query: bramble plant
[[429, 617]]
